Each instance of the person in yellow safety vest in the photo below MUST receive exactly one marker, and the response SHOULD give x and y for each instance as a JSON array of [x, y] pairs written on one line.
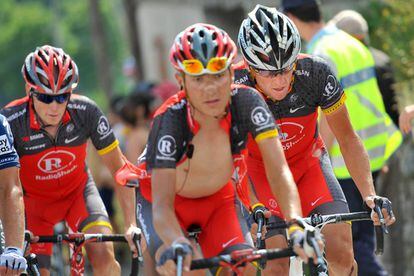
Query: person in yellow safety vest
[[355, 24], [353, 65]]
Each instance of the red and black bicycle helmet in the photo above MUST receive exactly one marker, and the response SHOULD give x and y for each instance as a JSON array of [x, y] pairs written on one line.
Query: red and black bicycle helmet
[[50, 70], [202, 42]]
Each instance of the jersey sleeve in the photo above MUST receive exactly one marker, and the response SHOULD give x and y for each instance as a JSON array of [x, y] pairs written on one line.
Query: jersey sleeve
[[166, 141], [254, 114], [8, 154], [331, 94], [101, 133]]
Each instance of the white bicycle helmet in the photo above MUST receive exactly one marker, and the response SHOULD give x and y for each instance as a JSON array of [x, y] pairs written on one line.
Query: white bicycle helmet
[[268, 39]]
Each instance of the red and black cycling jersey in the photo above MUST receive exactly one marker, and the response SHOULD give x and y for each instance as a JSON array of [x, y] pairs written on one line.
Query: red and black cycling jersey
[[51, 168], [314, 85], [173, 127]]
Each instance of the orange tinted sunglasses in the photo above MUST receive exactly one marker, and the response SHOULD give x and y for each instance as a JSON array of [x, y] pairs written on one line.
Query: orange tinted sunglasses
[[215, 65]]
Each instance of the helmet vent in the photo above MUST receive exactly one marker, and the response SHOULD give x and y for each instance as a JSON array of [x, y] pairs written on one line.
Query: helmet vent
[[43, 80], [204, 47]]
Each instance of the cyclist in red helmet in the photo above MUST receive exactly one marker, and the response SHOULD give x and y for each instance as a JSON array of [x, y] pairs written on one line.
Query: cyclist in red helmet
[[296, 86], [194, 157], [51, 126]]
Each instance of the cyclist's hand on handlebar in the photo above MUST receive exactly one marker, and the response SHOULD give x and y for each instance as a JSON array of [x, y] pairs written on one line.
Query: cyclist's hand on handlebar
[[129, 235], [166, 265], [385, 206], [301, 234], [259, 211], [12, 261]]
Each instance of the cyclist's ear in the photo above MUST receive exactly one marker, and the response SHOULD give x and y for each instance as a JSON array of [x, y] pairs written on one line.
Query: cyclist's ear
[[231, 69], [180, 79]]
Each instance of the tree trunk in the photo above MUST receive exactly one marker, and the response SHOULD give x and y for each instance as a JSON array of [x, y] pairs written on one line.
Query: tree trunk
[[100, 50], [131, 10]]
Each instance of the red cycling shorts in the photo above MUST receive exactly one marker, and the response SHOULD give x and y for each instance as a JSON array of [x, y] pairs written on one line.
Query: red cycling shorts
[[81, 210], [218, 215], [315, 180]]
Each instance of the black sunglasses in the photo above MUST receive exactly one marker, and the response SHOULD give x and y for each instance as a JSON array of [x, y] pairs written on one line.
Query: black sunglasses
[[48, 99]]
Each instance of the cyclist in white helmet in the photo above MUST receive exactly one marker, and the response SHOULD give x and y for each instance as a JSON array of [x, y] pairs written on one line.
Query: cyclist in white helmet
[[295, 87]]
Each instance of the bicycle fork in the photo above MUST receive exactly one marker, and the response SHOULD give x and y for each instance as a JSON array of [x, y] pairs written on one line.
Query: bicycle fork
[[77, 259]]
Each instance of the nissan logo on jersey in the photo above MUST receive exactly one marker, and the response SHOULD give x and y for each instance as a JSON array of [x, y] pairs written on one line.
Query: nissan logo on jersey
[[167, 145], [55, 161], [260, 116]]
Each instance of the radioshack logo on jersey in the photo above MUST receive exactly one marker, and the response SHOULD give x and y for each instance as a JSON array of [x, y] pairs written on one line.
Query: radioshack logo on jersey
[[260, 117], [331, 87], [166, 146], [103, 126], [5, 146], [55, 161]]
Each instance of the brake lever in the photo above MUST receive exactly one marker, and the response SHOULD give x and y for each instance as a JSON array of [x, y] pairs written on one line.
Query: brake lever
[[136, 238], [377, 210], [179, 253], [311, 240]]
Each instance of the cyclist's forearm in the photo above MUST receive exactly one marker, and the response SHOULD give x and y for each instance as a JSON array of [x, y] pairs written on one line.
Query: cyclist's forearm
[[163, 208], [280, 178], [126, 199], [284, 189], [126, 196], [12, 215], [166, 224], [357, 163]]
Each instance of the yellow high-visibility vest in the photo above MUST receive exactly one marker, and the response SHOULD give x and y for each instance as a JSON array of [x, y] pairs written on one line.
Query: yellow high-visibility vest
[[354, 67]]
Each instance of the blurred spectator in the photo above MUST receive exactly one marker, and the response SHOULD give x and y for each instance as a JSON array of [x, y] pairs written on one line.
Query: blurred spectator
[[165, 89], [136, 114], [354, 24], [129, 70], [406, 118]]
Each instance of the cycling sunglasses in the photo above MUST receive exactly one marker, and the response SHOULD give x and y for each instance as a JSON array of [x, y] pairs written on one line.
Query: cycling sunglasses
[[48, 99], [215, 65], [274, 73]]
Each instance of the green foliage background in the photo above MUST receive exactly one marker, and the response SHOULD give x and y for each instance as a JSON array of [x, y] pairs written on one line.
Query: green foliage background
[[26, 24], [391, 24]]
